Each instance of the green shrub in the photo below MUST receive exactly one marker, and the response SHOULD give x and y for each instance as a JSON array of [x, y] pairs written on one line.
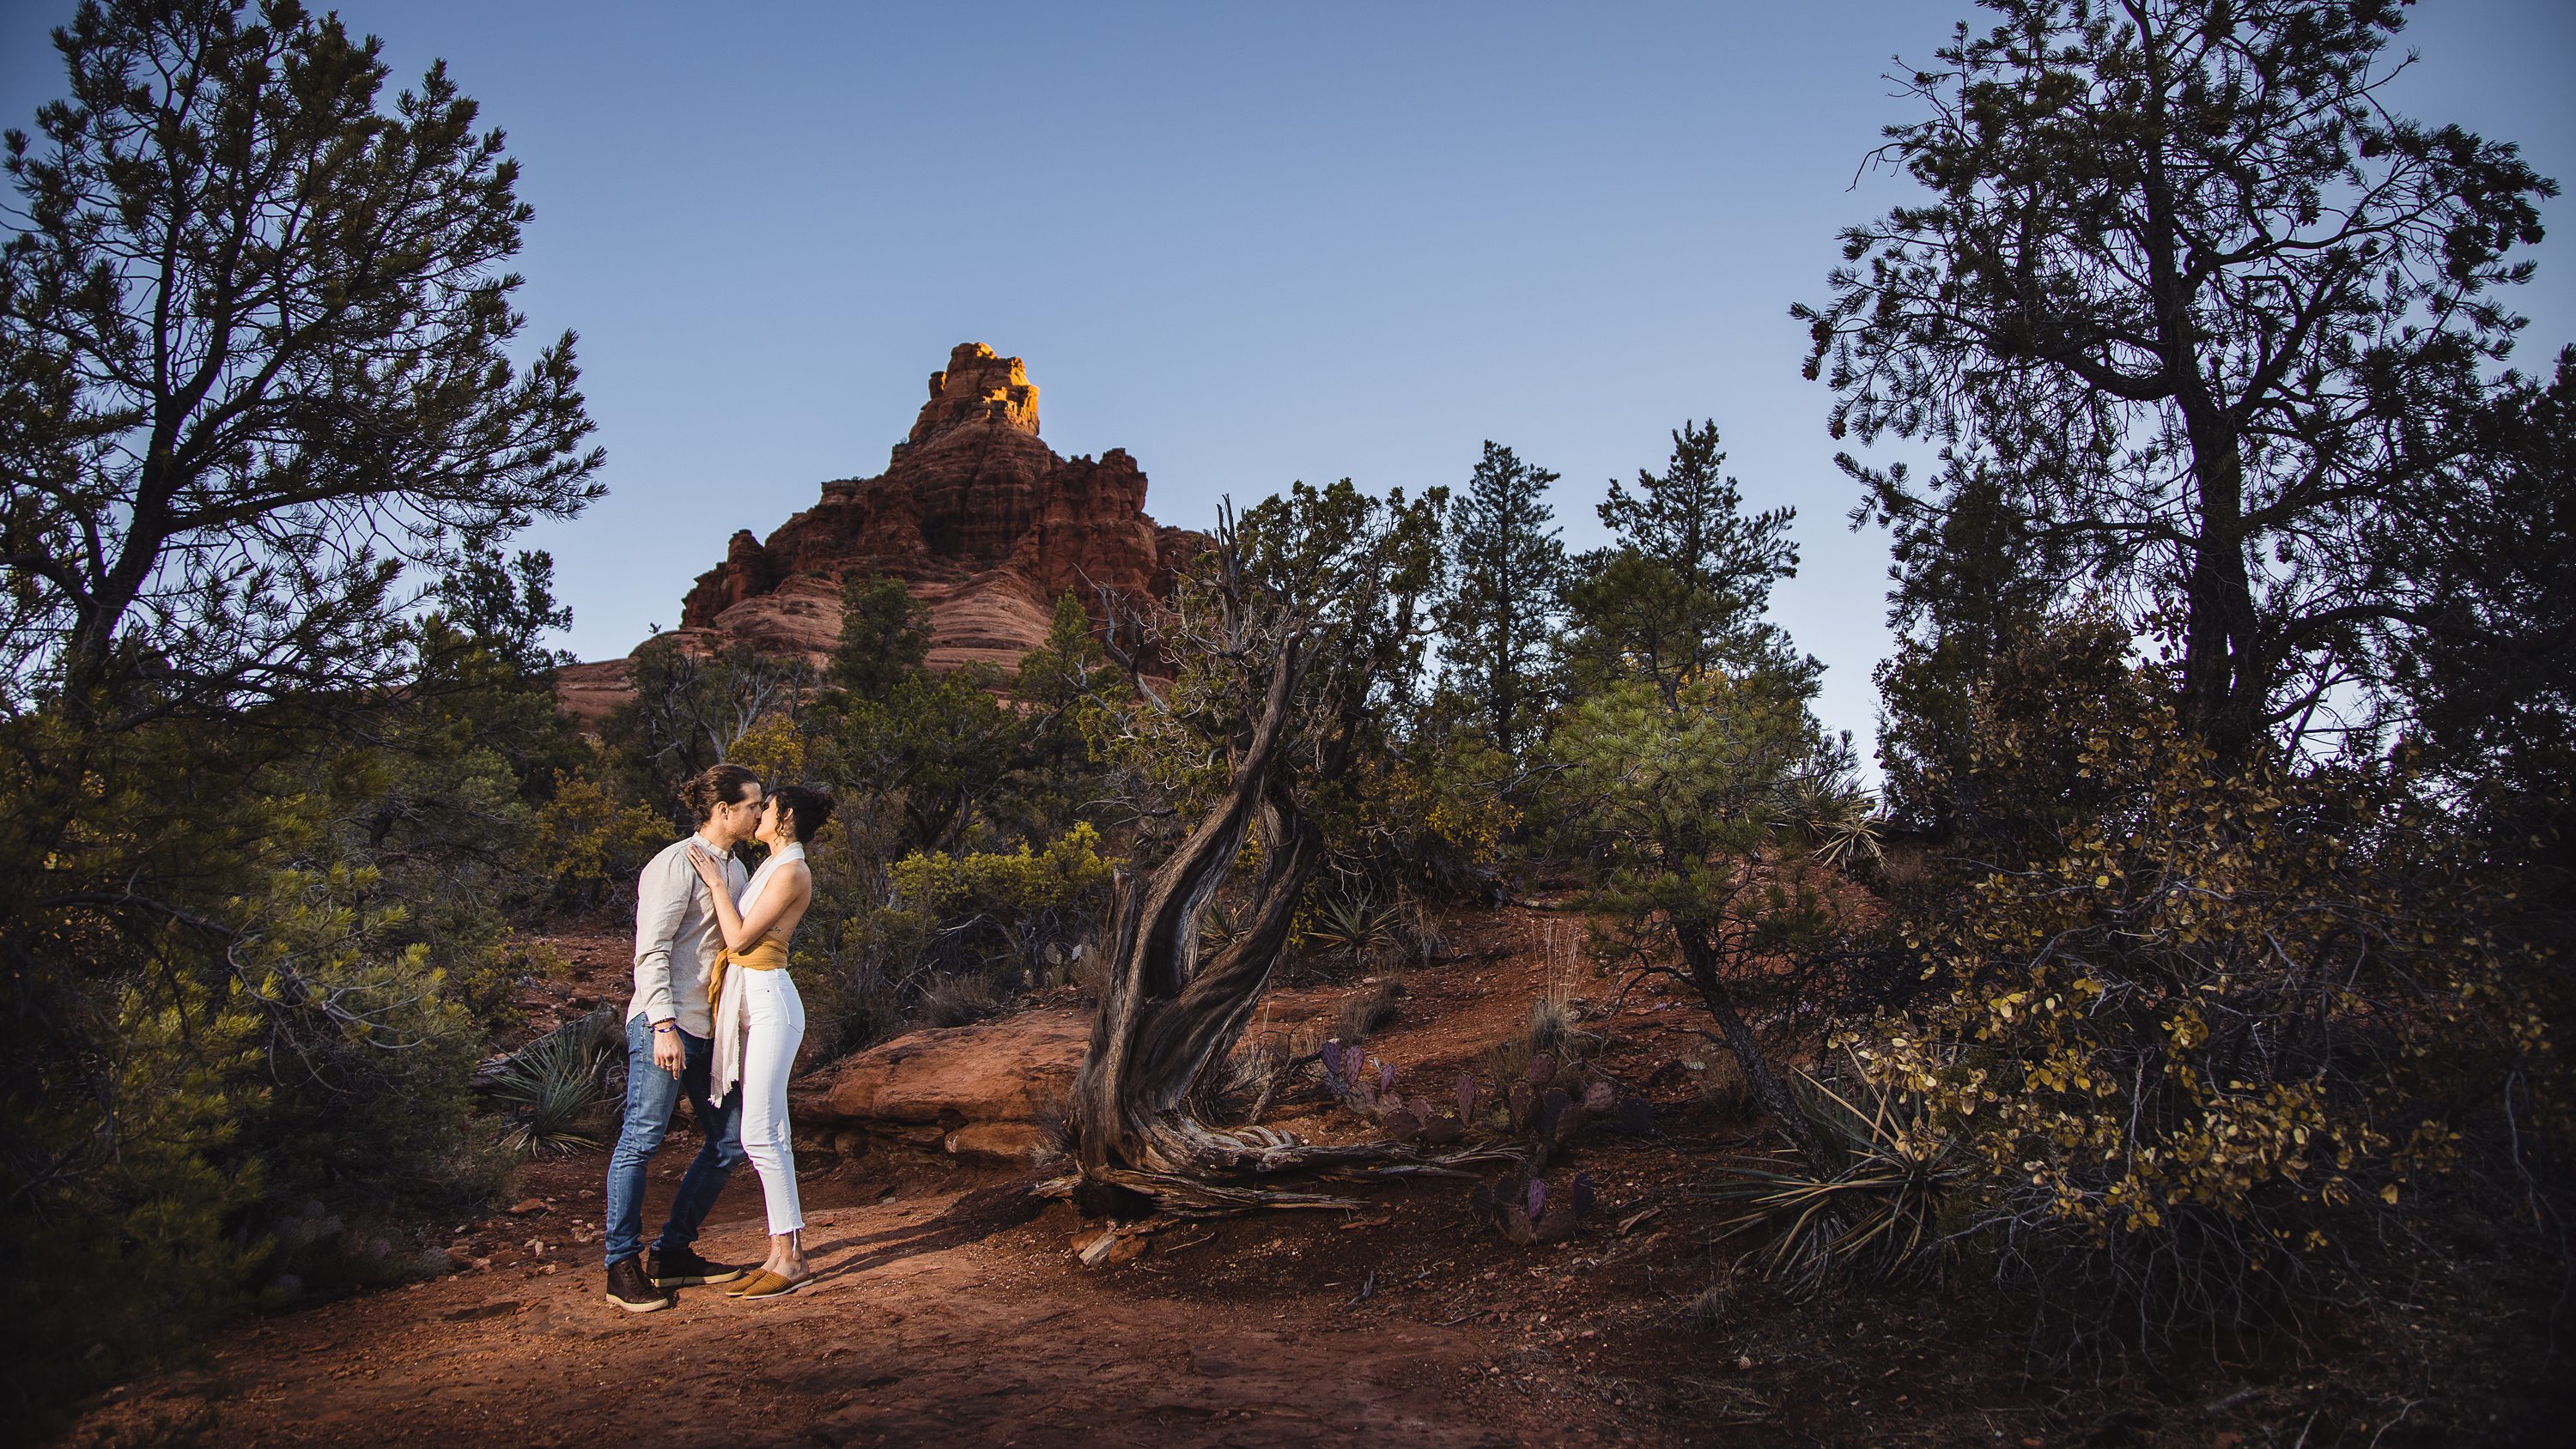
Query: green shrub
[[286, 1016], [960, 934], [853, 980]]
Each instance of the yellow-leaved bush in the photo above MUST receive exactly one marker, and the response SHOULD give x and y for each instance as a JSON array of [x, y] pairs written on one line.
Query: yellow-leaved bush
[[1021, 909], [1020, 882], [2230, 998], [773, 749], [591, 844]]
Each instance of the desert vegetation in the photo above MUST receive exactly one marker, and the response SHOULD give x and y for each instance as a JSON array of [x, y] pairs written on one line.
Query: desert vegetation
[[2187, 978]]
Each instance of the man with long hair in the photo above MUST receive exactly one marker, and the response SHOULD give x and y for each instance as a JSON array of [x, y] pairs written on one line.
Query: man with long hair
[[670, 1032]]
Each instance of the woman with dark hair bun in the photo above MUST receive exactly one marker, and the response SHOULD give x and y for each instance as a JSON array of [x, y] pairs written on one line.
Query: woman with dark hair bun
[[760, 1020], [804, 809]]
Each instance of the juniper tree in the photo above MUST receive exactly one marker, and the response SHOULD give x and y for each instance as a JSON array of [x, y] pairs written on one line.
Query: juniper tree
[[1293, 636], [688, 706], [943, 756], [1507, 569], [2184, 273], [1065, 694], [885, 635], [486, 670]]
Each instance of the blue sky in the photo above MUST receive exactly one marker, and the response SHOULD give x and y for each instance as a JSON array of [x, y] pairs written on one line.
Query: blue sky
[[1247, 244]]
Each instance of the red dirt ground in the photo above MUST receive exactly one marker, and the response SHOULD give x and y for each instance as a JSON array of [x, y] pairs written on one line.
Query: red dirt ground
[[951, 1310]]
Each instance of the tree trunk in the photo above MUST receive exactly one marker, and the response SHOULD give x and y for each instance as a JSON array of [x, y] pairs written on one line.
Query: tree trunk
[[1700, 954], [1161, 1017], [2226, 682]]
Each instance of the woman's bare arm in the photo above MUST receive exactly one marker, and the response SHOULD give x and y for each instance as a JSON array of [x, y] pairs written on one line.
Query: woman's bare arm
[[741, 934]]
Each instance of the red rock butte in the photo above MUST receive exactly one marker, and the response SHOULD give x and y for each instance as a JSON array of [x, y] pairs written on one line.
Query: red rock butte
[[980, 517]]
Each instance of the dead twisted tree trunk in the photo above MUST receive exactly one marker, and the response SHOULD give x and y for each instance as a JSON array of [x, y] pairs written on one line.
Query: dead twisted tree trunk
[[1165, 1014]]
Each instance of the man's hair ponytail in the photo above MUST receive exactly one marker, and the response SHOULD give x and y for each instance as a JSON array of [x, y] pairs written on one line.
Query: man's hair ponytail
[[713, 786]]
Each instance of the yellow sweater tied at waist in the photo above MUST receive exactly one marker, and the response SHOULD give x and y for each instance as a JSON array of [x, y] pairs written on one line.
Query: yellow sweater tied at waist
[[767, 954]]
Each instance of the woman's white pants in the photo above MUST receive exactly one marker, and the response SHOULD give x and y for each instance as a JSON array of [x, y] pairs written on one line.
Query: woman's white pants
[[773, 1017]]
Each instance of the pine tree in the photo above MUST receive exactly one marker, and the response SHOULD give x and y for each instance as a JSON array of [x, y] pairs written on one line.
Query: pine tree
[[2178, 264], [260, 381], [256, 352], [1975, 580], [1509, 567], [1684, 591], [2484, 656], [1068, 665], [885, 635]]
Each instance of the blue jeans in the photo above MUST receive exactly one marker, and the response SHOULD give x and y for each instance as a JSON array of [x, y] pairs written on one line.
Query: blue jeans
[[651, 1096]]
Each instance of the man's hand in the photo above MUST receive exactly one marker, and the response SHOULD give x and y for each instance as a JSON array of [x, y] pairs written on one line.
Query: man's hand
[[667, 1053]]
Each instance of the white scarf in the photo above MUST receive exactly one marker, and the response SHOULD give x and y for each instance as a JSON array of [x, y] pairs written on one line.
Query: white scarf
[[731, 1030]]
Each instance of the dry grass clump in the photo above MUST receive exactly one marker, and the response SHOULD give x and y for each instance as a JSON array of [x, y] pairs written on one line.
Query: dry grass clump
[[1369, 1013], [1551, 1030], [1712, 1308], [959, 1000]]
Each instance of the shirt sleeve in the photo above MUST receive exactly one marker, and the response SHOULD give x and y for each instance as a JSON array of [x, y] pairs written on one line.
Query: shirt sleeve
[[661, 899]]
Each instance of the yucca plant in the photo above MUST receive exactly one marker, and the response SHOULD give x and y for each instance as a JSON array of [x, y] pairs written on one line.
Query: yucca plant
[[1352, 928], [1217, 929], [1840, 819], [1879, 1213], [553, 1087]]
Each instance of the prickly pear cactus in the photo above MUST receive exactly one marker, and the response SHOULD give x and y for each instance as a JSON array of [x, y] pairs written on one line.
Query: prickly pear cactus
[[1525, 1211]]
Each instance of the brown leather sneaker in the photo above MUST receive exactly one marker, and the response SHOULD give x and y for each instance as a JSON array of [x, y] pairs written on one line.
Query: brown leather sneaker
[[629, 1289], [683, 1268]]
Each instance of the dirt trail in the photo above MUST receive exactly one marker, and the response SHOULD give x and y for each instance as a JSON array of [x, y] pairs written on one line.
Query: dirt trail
[[934, 1320]]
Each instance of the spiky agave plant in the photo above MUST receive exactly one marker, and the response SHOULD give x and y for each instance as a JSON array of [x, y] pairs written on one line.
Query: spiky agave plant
[[1879, 1213], [552, 1086]]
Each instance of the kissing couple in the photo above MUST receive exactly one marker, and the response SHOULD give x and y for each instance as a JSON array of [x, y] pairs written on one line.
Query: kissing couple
[[715, 1018]]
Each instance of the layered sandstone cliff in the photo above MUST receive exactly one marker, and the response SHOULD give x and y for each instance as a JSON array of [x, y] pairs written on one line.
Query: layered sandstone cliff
[[973, 510]]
